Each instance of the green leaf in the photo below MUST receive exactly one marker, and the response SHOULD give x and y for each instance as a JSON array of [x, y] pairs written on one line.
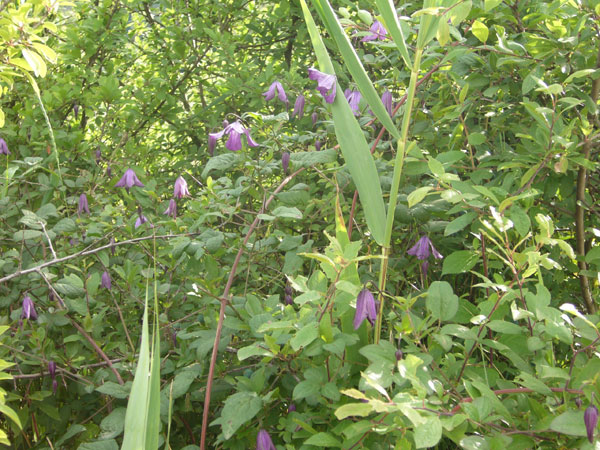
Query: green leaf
[[306, 388], [114, 389], [441, 301], [224, 161], [309, 159], [287, 212], [480, 30], [253, 350], [570, 423], [112, 425], [387, 9], [459, 262], [417, 195], [429, 433], [353, 409], [184, 379], [323, 440], [355, 67], [110, 444], [352, 143], [491, 4], [443, 32], [70, 285], [305, 336], [460, 11], [239, 408], [460, 223]]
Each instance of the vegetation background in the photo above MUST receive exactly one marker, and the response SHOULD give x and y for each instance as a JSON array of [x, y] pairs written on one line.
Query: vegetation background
[[493, 345]]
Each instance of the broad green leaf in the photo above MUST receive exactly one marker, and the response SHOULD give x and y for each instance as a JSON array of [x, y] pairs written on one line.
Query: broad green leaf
[[443, 32], [441, 301], [355, 67], [460, 11], [305, 336], [417, 195], [308, 159], [353, 409], [36, 62], [239, 408], [323, 440], [387, 9], [491, 4], [287, 212], [429, 433], [459, 262], [570, 423], [480, 30], [112, 425], [352, 143], [460, 223], [581, 74]]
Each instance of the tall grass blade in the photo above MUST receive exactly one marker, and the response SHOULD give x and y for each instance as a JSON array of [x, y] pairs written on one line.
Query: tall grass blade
[[354, 65], [392, 24], [352, 143], [153, 407]]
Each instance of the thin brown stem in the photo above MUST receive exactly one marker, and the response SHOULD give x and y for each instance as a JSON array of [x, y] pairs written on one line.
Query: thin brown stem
[[224, 299]]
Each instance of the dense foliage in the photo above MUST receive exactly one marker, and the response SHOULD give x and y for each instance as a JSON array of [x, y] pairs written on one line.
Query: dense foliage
[[112, 193]]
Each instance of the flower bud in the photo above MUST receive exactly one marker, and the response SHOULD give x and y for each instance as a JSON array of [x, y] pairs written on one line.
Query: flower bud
[[52, 369], [590, 417], [399, 355], [285, 161], [291, 408], [314, 116]]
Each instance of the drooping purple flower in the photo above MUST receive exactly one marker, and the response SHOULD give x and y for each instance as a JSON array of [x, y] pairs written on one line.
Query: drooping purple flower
[[326, 84], [234, 131], [291, 408], [590, 417], [128, 180], [365, 308], [285, 161], [264, 442], [423, 248], [181, 189], [106, 281], [314, 117], [140, 220], [172, 209], [270, 94], [3, 147], [399, 355], [212, 143], [83, 204], [353, 98], [387, 100], [318, 145], [112, 246], [225, 123], [28, 309], [52, 369], [299, 106], [424, 266], [378, 31], [98, 155], [109, 173]]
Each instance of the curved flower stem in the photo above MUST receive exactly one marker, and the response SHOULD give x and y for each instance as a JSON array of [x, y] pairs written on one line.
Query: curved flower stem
[[224, 300], [398, 165]]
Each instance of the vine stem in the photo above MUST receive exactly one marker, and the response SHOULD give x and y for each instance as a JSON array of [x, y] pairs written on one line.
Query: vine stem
[[224, 300], [398, 165]]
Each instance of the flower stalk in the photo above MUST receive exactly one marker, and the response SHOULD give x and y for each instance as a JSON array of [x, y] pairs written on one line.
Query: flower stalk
[[403, 148]]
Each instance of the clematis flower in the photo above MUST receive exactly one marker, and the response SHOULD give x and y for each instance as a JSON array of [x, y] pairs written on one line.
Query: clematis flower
[[353, 98], [386, 99], [212, 143], [181, 189], [106, 281], [365, 309], [76, 110], [172, 209], [318, 145], [326, 84], [590, 417], [98, 155], [291, 408], [264, 442], [54, 386], [28, 309], [314, 116], [377, 32], [299, 107], [270, 94], [234, 130], [128, 180], [3, 147], [140, 220], [83, 204], [422, 249], [52, 369], [285, 161]]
